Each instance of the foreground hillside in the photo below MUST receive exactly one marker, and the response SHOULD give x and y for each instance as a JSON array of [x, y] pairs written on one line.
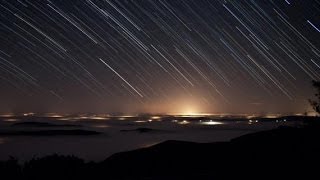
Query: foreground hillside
[[285, 152]]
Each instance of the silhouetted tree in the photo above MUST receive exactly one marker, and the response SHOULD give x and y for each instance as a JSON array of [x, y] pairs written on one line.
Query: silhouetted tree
[[10, 168], [316, 103]]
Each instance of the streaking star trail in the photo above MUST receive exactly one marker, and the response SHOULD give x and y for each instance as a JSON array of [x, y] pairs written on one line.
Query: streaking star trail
[[120, 77], [158, 56]]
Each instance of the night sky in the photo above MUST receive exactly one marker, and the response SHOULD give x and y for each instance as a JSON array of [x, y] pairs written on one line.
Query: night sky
[[158, 56]]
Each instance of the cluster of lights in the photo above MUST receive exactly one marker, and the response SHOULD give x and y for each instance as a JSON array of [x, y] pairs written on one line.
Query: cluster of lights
[[253, 121], [11, 120], [7, 115], [29, 114], [183, 122], [139, 121], [284, 120], [211, 122]]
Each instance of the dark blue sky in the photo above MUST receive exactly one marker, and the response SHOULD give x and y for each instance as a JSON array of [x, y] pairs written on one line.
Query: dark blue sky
[[158, 56]]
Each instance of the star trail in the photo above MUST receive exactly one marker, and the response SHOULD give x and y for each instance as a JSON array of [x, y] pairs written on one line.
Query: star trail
[[158, 56]]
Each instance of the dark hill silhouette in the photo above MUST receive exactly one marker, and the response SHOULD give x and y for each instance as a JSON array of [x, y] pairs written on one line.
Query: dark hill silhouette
[[288, 152], [285, 152]]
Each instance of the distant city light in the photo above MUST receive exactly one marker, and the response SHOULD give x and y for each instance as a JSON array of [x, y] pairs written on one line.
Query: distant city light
[[184, 122], [211, 123]]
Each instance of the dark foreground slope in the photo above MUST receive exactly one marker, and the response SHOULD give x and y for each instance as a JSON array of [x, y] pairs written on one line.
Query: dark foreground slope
[[280, 153]]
